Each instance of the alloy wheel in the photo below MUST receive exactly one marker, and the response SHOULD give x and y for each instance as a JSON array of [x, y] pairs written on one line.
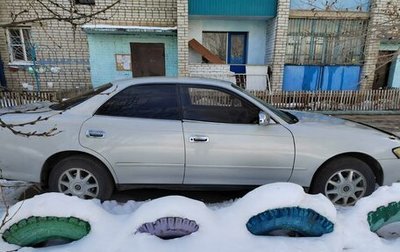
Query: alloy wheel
[[346, 187], [78, 182]]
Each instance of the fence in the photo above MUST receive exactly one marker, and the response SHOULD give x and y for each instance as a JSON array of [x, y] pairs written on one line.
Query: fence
[[367, 100], [15, 98]]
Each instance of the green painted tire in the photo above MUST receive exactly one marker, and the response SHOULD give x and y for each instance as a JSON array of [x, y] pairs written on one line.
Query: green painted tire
[[384, 215], [35, 230]]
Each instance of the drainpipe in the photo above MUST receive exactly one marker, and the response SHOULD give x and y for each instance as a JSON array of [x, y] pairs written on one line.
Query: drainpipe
[[35, 70], [3, 82]]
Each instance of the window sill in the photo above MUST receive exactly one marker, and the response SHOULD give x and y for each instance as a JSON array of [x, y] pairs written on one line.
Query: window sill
[[21, 63]]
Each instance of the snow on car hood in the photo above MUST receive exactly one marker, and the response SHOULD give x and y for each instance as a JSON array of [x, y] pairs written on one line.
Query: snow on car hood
[[331, 125]]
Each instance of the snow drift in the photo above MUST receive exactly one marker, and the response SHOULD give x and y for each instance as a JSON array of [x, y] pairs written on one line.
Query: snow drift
[[113, 226]]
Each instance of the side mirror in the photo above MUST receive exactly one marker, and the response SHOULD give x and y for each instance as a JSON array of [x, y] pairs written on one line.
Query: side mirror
[[263, 118]]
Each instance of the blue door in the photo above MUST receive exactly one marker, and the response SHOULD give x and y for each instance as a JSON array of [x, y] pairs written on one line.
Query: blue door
[[237, 51]]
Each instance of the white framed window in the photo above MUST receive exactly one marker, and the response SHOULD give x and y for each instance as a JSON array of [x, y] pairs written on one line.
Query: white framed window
[[20, 44]]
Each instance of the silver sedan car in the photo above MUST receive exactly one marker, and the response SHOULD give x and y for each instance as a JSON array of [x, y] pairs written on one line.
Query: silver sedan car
[[184, 132]]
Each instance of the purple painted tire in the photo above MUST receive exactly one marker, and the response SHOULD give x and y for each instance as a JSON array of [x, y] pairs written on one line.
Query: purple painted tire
[[169, 227]]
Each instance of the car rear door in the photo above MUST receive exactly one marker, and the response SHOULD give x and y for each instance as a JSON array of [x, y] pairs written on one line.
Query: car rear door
[[139, 131], [226, 145]]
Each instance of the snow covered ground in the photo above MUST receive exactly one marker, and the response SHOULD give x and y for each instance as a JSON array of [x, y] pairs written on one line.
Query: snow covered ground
[[222, 226]]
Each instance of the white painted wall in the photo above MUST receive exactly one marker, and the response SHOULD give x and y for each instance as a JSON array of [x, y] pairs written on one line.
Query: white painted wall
[[256, 36], [256, 78]]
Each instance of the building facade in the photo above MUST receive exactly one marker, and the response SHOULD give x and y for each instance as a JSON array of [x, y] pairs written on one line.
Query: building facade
[[53, 55], [260, 44]]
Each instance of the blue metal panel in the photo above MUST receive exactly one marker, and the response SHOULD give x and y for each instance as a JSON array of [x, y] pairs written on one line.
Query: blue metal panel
[[341, 77], [238, 69], [238, 8], [297, 78]]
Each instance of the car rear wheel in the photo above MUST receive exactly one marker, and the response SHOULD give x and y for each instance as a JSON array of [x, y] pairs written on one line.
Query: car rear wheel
[[344, 181], [82, 177]]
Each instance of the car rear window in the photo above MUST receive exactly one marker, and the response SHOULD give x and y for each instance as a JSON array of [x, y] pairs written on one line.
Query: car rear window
[[72, 102], [154, 101]]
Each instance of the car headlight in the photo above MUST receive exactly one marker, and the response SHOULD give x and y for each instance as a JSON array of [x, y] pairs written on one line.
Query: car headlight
[[396, 152]]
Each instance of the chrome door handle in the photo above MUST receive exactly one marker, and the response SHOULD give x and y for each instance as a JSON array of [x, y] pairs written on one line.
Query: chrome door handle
[[95, 133], [203, 139]]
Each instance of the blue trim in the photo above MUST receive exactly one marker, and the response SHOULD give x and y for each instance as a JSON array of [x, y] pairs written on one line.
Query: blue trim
[[233, 8]]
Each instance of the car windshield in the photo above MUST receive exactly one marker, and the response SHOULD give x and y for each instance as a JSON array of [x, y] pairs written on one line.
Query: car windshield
[[69, 103], [284, 115]]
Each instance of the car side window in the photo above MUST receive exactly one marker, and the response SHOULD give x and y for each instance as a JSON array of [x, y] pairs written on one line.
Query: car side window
[[144, 101], [214, 105]]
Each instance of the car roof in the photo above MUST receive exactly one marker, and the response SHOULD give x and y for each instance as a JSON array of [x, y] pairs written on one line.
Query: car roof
[[170, 80]]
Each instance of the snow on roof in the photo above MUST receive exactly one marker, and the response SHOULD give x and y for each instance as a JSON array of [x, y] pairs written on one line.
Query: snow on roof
[[107, 28]]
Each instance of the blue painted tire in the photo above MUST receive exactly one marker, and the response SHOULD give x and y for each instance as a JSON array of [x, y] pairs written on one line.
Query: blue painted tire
[[301, 221], [169, 227]]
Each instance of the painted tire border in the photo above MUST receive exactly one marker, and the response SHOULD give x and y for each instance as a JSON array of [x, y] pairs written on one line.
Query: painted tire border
[[169, 227], [305, 221], [383, 216], [45, 228]]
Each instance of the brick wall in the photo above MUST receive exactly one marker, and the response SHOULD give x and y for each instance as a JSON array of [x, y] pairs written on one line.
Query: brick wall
[[270, 40], [214, 71], [56, 46], [183, 37], [371, 52], [278, 58], [59, 46]]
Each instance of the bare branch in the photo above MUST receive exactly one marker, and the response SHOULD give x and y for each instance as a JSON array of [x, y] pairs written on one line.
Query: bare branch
[[57, 12], [13, 126]]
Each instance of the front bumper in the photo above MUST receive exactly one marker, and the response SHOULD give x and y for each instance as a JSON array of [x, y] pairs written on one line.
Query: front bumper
[[391, 171]]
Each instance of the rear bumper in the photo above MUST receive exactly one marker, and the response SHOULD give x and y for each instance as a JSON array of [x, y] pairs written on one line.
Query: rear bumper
[[391, 171]]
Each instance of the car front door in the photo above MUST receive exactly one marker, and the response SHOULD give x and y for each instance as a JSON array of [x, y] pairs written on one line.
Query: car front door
[[224, 143], [139, 131]]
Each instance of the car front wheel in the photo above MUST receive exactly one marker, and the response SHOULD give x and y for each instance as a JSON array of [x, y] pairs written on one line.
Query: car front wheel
[[344, 181], [82, 177]]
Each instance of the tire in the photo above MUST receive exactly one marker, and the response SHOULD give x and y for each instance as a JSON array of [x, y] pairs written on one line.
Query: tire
[[35, 230], [344, 181], [81, 176], [383, 216], [169, 227], [290, 220]]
